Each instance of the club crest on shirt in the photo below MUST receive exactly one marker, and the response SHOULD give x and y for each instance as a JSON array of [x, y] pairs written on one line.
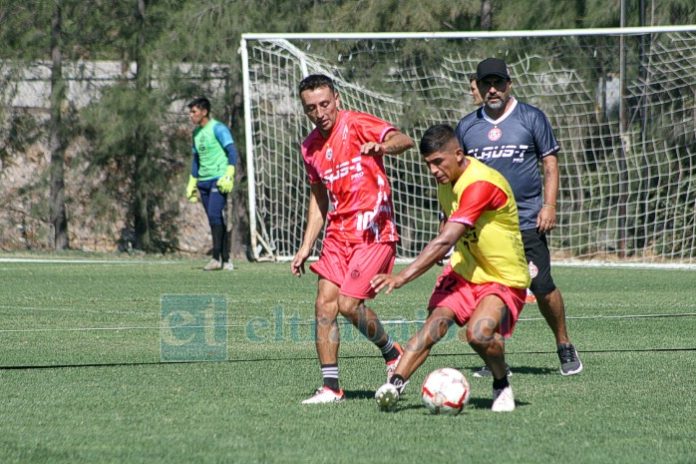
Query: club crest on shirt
[[494, 134], [329, 154]]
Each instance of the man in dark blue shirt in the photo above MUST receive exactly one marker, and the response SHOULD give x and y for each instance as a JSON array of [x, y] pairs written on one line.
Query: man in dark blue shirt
[[513, 137]]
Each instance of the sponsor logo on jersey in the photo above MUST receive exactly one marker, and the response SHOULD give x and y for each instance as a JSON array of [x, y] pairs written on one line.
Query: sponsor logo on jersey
[[329, 154], [351, 167], [516, 152], [495, 134]]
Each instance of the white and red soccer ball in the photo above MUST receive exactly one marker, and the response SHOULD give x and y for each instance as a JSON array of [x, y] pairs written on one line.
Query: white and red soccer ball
[[445, 391]]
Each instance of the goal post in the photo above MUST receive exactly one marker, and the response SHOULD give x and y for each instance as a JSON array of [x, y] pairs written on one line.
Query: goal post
[[624, 115]]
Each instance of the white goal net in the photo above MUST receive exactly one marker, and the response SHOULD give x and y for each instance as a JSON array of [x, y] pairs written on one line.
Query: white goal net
[[622, 103]]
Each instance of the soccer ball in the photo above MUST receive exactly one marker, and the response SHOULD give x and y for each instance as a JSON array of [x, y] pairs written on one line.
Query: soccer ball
[[445, 391]]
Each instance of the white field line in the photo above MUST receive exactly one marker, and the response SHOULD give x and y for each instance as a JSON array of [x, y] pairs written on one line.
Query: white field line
[[308, 322], [80, 261]]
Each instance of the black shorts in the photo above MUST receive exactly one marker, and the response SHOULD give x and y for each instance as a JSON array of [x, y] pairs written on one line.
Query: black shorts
[[539, 259]]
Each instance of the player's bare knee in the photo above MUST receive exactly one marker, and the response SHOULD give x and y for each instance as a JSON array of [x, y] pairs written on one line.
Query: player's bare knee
[[351, 309], [325, 311], [436, 327], [479, 335]]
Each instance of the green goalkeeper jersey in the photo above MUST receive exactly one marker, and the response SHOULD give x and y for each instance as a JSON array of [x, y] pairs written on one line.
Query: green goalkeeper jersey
[[212, 158]]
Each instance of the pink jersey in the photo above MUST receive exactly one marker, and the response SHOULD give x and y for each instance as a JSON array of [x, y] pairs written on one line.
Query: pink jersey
[[361, 206]]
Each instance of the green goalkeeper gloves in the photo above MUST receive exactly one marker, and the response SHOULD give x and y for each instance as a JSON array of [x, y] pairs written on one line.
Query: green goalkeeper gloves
[[191, 190], [226, 182]]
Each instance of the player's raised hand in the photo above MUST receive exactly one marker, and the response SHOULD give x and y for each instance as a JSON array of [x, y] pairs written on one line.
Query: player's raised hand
[[297, 263], [372, 149], [388, 281]]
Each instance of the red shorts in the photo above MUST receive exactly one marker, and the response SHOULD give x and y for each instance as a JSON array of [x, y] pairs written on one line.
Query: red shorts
[[452, 291], [351, 266]]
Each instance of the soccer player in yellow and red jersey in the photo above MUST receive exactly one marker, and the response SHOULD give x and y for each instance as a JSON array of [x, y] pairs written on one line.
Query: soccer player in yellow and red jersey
[[350, 192], [484, 285]]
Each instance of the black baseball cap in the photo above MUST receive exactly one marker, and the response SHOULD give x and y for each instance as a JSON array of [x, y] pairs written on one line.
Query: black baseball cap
[[492, 67]]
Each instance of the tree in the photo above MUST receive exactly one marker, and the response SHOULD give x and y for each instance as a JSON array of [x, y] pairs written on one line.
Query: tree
[[33, 43], [57, 140], [128, 128], [142, 212]]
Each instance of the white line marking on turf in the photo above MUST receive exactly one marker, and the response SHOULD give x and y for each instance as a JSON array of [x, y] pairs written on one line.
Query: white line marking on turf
[[79, 261], [308, 322]]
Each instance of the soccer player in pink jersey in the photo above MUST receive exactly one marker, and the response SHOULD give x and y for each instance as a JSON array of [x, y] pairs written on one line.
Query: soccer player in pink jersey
[[350, 192]]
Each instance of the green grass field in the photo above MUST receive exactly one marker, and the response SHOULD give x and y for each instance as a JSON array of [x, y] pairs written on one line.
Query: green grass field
[[82, 381]]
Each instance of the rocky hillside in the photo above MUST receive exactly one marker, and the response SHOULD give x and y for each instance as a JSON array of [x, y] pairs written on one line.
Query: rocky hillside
[[96, 221]]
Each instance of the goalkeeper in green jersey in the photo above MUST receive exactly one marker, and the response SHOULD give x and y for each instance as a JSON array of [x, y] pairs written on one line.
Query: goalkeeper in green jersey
[[212, 176]]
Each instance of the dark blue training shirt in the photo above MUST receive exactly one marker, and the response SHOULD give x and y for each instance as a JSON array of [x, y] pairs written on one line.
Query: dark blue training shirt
[[513, 145]]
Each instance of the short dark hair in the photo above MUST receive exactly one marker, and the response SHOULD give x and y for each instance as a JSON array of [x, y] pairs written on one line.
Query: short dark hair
[[315, 81], [472, 77], [200, 102], [435, 138]]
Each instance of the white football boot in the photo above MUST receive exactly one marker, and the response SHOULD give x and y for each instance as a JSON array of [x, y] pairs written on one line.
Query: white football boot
[[325, 395], [503, 400]]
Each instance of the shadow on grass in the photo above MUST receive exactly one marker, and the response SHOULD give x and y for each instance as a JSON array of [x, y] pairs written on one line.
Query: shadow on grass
[[486, 403], [515, 369], [359, 394], [531, 370], [474, 403]]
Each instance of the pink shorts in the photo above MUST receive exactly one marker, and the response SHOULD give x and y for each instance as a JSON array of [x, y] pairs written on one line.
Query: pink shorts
[[452, 291], [351, 266]]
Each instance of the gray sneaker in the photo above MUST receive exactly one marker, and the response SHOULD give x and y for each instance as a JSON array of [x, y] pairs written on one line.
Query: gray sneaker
[[228, 266], [570, 361], [213, 265], [486, 372]]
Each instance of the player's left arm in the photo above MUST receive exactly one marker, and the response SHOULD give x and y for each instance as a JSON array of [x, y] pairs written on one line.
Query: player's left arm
[[547, 149], [546, 220], [395, 142], [224, 138]]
